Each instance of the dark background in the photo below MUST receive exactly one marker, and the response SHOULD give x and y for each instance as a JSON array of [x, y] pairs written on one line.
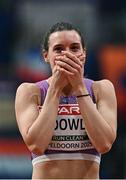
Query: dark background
[[22, 26]]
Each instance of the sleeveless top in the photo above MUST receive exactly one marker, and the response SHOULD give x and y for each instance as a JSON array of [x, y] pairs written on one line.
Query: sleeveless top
[[70, 140]]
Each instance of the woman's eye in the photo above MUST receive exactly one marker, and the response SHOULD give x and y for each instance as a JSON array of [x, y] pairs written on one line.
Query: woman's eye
[[58, 49], [74, 49]]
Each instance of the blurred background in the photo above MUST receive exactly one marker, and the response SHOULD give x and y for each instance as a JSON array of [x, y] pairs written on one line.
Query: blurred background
[[22, 26]]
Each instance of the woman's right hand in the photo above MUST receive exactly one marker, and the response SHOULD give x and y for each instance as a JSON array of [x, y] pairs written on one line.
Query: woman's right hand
[[58, 78]]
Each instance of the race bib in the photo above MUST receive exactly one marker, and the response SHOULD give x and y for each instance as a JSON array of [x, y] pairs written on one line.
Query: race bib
[[69, 133]]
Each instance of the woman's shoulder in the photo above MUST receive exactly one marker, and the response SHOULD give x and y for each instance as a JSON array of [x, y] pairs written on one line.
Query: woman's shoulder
[[103, 84], [103, 88], [27, 88], [99, 84]]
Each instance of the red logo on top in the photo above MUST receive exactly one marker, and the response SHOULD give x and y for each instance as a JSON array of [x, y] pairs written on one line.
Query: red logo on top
[[71, 109]]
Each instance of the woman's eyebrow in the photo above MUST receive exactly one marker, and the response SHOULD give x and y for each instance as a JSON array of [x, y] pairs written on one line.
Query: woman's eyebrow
[[58, 45], [76, 44]]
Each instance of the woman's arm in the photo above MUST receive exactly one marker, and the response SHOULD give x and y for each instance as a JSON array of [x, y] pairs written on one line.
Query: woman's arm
[[101, 119], [36, 128]]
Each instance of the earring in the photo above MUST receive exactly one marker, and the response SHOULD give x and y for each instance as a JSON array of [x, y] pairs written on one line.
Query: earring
[[47, 61]]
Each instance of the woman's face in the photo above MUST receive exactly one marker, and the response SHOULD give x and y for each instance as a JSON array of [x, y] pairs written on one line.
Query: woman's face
[[67, 40]]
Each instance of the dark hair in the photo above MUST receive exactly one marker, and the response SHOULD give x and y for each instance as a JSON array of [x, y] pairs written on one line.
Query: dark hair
[[61, 26]]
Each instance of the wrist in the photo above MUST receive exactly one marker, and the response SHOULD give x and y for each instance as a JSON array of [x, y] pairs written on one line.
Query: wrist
[[81, 90], [54, 91]]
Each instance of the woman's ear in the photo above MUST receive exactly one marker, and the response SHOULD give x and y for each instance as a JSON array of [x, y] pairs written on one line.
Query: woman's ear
[[84, 55], [45, 55], [85, 52]]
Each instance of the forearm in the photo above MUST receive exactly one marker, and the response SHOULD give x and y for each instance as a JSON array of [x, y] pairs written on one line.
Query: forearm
[[98, 130], [41, 131]]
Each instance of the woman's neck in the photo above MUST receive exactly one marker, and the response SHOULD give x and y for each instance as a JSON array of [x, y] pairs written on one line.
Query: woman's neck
[[67, 90]]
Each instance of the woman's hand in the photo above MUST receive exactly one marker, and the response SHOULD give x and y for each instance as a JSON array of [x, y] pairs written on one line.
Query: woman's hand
[[58, 79], [72, 67]]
